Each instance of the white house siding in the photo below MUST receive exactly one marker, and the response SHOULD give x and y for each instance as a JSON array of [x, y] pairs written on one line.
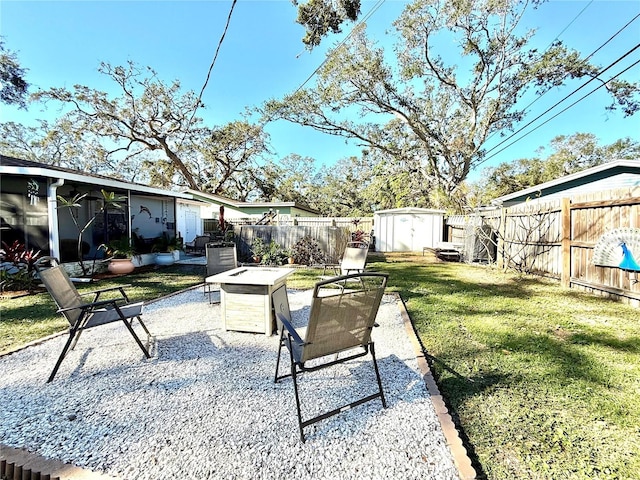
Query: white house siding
[[407, 229], [152, 216]]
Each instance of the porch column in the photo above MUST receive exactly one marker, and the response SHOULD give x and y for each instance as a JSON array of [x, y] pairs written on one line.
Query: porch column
[[52, 214]]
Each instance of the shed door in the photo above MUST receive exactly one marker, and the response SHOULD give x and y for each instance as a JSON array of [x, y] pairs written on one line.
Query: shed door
[[402, 233]]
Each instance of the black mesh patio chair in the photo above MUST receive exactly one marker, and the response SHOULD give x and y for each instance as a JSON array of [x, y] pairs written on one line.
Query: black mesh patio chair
[[83, 314], [219, 259], [340, 321]]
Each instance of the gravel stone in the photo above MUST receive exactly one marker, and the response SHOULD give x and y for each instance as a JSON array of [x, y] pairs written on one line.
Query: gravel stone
[[205, 405]]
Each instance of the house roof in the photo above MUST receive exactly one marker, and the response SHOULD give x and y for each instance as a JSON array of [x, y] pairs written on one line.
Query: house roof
[[583, 177], [236, 204], [16, 166]]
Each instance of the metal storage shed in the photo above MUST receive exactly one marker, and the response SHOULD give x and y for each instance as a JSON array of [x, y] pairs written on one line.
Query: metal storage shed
[[407, 229]]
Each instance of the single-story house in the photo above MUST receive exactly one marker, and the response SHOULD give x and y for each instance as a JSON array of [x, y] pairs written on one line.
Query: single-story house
[[608, 176], [254, 211], [30, 211]]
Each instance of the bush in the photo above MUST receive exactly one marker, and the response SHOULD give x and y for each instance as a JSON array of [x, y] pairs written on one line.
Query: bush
[[307, 251], [17, 267], [274, 254]]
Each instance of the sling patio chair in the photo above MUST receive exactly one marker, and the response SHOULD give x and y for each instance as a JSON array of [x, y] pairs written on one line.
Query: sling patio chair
[[219, 259], [340, 320], [82, 314], [354, 260]]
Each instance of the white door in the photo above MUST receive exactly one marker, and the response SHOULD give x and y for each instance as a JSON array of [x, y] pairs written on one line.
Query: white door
[[402, 233], [190, 225]]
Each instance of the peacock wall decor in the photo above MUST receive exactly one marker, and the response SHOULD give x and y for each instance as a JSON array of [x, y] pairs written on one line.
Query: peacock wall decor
[[619, 248]]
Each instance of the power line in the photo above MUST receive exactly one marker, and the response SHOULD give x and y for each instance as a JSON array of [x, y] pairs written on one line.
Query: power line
[[213, 62], [364, 19], [585, 60], [565, 109], [567, 96]]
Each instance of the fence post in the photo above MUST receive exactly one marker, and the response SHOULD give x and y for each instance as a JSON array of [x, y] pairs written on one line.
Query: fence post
[[565, 233], [500, 248]]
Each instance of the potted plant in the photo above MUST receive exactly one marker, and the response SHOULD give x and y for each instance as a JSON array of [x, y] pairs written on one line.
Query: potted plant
[[258, 249], [121, 252], [164, 248], [290, 258]]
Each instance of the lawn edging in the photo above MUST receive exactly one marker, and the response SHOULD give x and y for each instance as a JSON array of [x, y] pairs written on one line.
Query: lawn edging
[[454, 442]]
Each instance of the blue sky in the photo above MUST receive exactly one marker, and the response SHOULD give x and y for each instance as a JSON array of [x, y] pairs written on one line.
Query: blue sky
[[61, 43]]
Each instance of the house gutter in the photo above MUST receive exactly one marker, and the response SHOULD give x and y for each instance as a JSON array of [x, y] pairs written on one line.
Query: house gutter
[[52, 210]]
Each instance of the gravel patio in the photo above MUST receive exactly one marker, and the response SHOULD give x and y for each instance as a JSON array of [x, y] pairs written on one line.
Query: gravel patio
[[205, 405]]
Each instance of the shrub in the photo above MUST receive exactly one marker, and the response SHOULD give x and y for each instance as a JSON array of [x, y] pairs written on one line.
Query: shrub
[[274, 254], [307, 251], [17, 267]]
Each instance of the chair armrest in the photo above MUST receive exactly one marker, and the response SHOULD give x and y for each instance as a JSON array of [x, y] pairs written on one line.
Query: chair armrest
[[290, 329], [85, 306], [108, 289], [97, 293]]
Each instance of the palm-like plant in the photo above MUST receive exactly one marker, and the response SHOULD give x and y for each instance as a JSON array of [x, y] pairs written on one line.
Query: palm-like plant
[[73, 204]]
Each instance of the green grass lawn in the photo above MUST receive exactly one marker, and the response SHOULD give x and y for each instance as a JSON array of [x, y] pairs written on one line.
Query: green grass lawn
[[31, 317], [544, 382]]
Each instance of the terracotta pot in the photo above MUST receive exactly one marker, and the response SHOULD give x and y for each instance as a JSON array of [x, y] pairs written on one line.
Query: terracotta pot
[[121, 266]]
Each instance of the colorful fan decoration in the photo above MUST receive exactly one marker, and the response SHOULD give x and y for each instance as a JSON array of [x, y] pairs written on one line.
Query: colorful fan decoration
[[619, 248]]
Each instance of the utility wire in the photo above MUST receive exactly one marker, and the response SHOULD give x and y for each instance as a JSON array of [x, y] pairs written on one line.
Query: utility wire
[[213, 62], [567, 96], [548, 47], [564, 110], [364, 19], [590, 55]]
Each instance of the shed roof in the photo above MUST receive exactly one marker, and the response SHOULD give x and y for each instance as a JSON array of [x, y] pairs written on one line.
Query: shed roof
[[410, 210]]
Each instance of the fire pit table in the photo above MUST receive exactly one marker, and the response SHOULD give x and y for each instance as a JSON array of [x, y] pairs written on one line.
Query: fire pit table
[[245, 297]]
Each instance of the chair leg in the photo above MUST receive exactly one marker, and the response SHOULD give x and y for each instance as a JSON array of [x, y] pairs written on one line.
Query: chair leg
[[375, 366], [144, 327], [63, 354], [295, 389], [135, 337]]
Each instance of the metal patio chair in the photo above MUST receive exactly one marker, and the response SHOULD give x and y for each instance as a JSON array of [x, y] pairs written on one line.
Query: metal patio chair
[[83, 314], [219, 259], [340, 320], [354, 260]]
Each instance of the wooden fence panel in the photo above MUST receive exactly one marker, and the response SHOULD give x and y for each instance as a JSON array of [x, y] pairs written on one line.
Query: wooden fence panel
[[332, 240], [559, 241], [595, 215]]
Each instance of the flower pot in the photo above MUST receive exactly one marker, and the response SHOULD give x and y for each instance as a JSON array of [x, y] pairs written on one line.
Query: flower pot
[[165, 258], [121, 266]]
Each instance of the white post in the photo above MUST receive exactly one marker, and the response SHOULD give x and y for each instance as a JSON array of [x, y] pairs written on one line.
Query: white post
[[52, 211]]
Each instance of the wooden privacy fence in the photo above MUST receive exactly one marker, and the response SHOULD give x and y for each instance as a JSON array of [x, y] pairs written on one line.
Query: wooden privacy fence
[[363, 223], [332, 240], [557, 239]]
